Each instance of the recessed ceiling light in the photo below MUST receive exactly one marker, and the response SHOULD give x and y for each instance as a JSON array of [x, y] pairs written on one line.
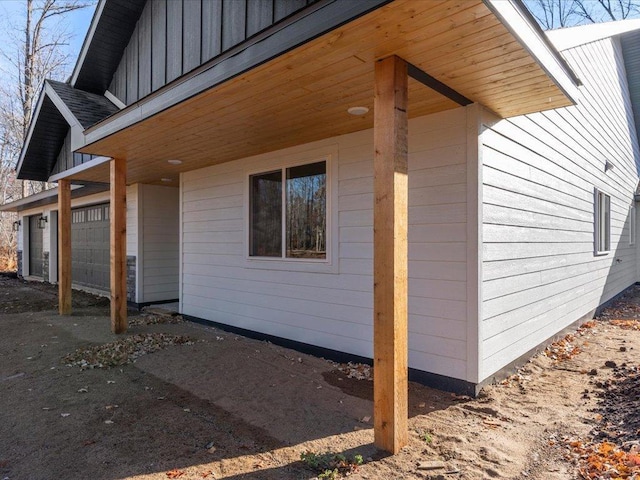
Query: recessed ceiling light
[[166, 180], [174, 162], [357, 110]]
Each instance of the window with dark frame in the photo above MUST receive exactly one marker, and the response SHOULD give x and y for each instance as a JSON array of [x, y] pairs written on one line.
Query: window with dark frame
[[288, 212], [602, 222]]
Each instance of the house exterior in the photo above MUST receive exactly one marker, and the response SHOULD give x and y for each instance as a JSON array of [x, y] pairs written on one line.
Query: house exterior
[[431, 185], [152, 240]]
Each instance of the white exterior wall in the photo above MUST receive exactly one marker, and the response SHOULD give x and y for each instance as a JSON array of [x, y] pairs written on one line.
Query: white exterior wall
[[540, 272], [50, 232], [332, 306], [158, 247]]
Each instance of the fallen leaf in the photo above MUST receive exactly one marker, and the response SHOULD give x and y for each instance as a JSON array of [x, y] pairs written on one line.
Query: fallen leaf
[[65, 414], [175, 473]]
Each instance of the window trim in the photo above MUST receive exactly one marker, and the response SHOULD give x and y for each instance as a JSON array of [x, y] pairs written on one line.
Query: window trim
[[597, 213], [270, 163]]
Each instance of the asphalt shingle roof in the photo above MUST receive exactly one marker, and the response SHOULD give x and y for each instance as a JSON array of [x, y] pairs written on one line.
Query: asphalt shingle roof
[[88, 108]]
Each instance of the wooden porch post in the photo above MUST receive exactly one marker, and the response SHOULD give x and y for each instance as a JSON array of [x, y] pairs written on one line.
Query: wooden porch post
[[390, 219], [118, 245], [64, 247]]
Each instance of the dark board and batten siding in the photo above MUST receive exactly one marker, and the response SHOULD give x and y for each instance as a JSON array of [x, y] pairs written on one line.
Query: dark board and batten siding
[[67, 160], [173, 37], [540, 273]]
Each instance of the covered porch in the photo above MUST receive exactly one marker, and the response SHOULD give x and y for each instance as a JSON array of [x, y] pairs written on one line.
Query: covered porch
[[403, 60]]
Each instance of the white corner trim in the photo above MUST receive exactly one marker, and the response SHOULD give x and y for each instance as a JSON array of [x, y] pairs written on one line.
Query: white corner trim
[[534, 41], [115, 100], [76, 139], [474, 115]]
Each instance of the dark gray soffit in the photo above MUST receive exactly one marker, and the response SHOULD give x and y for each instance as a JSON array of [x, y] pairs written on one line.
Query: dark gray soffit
[[46, 141], [117, 23]]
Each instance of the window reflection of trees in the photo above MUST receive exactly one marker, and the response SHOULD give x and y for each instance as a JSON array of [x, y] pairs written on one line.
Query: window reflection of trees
[[266, 215], [305, 212]]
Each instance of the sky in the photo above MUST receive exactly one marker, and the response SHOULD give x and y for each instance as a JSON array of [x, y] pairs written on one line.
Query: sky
[[12, 16]]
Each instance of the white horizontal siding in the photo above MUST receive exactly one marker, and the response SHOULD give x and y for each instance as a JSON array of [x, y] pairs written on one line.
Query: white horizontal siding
[[540, 273], [160, 236], [334, 310]]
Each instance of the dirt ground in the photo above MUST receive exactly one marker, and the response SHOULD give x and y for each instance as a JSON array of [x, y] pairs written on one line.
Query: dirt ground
[[224, 406]]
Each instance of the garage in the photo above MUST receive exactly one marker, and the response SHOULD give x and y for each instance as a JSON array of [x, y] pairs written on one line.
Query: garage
[[90, 246], [35, 247]]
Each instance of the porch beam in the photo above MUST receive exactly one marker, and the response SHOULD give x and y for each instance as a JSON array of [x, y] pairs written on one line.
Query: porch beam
[[64, 247], [435, 84], [390, 219], [118, 245]]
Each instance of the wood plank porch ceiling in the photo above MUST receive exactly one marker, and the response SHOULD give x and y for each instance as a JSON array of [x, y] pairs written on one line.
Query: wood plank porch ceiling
[[303, 96]]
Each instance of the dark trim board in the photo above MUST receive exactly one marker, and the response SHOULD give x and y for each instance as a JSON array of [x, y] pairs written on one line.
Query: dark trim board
[[511, 368], [433, 380], [435, 84], [141, 305], [440, 382]]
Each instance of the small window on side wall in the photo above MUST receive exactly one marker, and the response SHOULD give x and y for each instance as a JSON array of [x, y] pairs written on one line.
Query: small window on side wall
[[632, 224], [288, 213], [602, 209]]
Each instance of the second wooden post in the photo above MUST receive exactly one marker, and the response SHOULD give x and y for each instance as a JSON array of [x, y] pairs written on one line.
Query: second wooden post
[[390, 382], [118, 245]]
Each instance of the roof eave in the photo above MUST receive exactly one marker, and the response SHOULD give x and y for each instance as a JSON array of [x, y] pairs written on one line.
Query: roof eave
[[522, 25], [32, 125], [50, 196]]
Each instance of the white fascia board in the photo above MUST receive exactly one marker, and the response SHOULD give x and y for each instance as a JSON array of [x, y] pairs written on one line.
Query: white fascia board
[[517, 19], [565, 38], [115, 100], [87, 42], [32, 126], [61, 106], [49, 194], [80, 168], [113, 124]]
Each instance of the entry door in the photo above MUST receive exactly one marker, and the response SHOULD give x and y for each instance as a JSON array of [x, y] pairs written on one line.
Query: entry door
[[35, 246]]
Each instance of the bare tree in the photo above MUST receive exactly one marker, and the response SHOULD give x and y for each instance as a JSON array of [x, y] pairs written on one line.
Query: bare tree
[[553, 14], [36, 51], [595, 11]]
